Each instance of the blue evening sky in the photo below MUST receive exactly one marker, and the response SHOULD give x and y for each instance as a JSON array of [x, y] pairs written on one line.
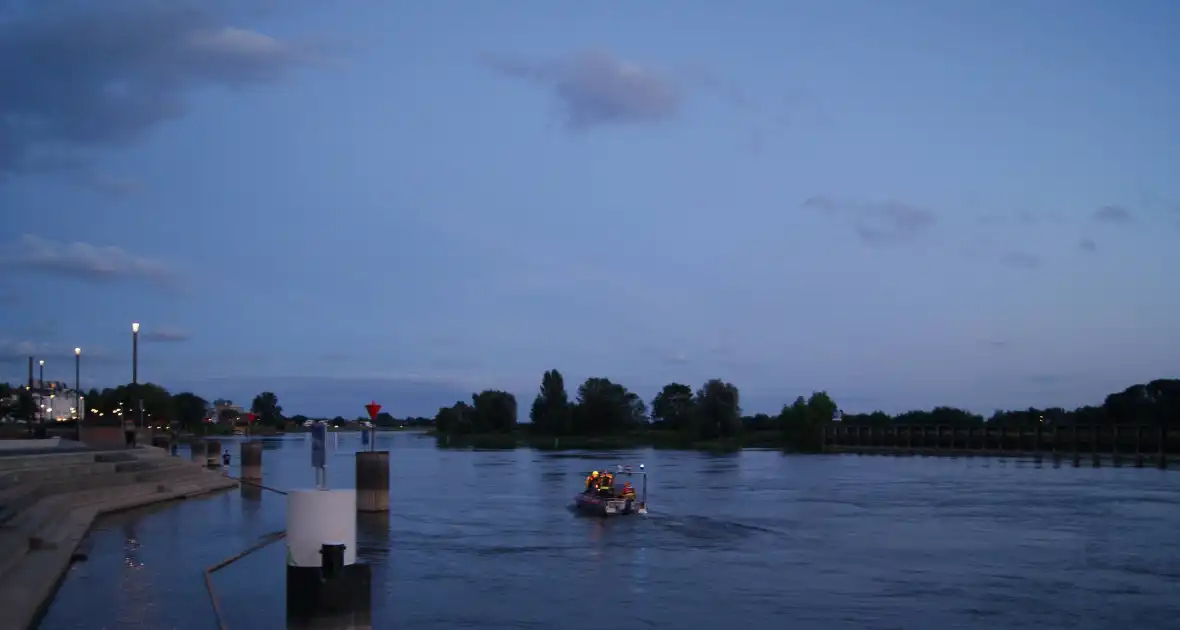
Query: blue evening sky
[[905, 202]]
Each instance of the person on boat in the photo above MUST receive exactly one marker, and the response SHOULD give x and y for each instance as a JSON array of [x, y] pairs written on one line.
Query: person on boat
[[591, 481], [628, 491], [606, 484]]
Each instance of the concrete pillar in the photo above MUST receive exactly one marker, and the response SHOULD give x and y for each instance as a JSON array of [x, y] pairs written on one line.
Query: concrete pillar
[[326, 586], [251, 460], [372, 481]]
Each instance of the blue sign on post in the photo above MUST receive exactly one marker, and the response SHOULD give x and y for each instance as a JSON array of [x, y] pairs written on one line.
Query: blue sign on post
[[319, 437]]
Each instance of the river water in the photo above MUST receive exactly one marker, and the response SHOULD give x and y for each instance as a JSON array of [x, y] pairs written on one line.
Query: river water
[[752, 540]]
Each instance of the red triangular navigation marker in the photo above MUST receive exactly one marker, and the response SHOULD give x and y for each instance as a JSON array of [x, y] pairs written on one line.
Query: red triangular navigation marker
[[373, 408]]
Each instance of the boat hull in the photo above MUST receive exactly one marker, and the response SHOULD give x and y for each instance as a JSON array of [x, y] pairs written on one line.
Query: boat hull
[[607, 506]]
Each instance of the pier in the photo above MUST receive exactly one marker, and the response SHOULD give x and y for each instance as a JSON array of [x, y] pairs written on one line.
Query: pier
[[1114, 442], [49, 500]]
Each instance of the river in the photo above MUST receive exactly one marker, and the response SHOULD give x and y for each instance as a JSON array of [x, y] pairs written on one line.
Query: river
[[750, 540]]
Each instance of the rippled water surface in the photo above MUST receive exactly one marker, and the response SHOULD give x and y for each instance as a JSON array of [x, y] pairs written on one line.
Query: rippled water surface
[[750, 540]]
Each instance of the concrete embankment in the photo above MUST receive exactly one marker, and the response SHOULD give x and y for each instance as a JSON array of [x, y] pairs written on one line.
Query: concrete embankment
[[49, 501]]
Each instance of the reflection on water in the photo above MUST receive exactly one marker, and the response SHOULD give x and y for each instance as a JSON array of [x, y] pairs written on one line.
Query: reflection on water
[[372, 537], [485, 539], [251, 498]]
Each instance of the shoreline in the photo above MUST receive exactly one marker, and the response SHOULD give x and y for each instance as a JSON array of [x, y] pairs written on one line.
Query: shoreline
[[29, 587]]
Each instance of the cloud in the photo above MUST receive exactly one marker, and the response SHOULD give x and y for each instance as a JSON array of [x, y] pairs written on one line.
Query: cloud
[[1088, 245], [164, 334], [76, 77], [87, 262], [877, 224], [596, 89], [18, 352], [1113, 214], [1021, 260]]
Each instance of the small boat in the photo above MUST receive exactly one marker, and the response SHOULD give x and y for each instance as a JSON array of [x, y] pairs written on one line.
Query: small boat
[[611, 504]]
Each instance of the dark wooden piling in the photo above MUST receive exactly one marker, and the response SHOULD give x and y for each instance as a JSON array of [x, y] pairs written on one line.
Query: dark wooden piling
[[372, 481], [251, 460], [213, 453], [197, 452], [1162, 447], [1100, 442], [1115, 455]]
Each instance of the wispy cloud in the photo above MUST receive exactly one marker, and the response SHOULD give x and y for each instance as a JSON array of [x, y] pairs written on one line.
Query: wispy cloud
[[877, 224], [1113, 215], [1021, 260], [87, 262], [596, 89], [165, 334], [19, 351], [1088, 245], [81, 76]]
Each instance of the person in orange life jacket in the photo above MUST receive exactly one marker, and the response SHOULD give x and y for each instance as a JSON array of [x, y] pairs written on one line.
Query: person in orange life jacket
[[591, 481], [606, 484], [628, 491]]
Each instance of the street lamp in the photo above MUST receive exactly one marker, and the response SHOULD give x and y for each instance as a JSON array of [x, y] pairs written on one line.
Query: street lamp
[[135, 365], [41, 378], [134, 353], [77, 395]]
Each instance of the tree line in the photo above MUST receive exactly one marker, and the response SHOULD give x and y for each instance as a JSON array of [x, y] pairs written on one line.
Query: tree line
[[713, 412], [185, 410]]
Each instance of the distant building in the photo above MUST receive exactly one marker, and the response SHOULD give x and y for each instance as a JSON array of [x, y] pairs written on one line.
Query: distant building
[[57, 405], [224, 412], [53, 404]]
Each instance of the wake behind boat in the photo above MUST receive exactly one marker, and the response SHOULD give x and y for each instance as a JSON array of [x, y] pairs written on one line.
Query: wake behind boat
[[602, 497]]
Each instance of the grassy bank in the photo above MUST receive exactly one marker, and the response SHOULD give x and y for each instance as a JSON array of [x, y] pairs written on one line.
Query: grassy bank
[[653, 439]]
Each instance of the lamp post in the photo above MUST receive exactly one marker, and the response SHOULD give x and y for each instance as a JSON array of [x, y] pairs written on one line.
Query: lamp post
[[78, 393], [134, 353], [41, 376]]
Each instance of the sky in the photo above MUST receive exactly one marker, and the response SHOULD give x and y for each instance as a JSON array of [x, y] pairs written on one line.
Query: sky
[[905, 204]]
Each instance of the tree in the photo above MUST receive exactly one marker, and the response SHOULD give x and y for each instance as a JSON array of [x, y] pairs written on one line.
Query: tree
[[190, 410], [551, 413], [26, 406], [495, 411], [803, 421], [605, 407], [718, 410], [384, 419], [458, 419], [672, 408], [267, 410]]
